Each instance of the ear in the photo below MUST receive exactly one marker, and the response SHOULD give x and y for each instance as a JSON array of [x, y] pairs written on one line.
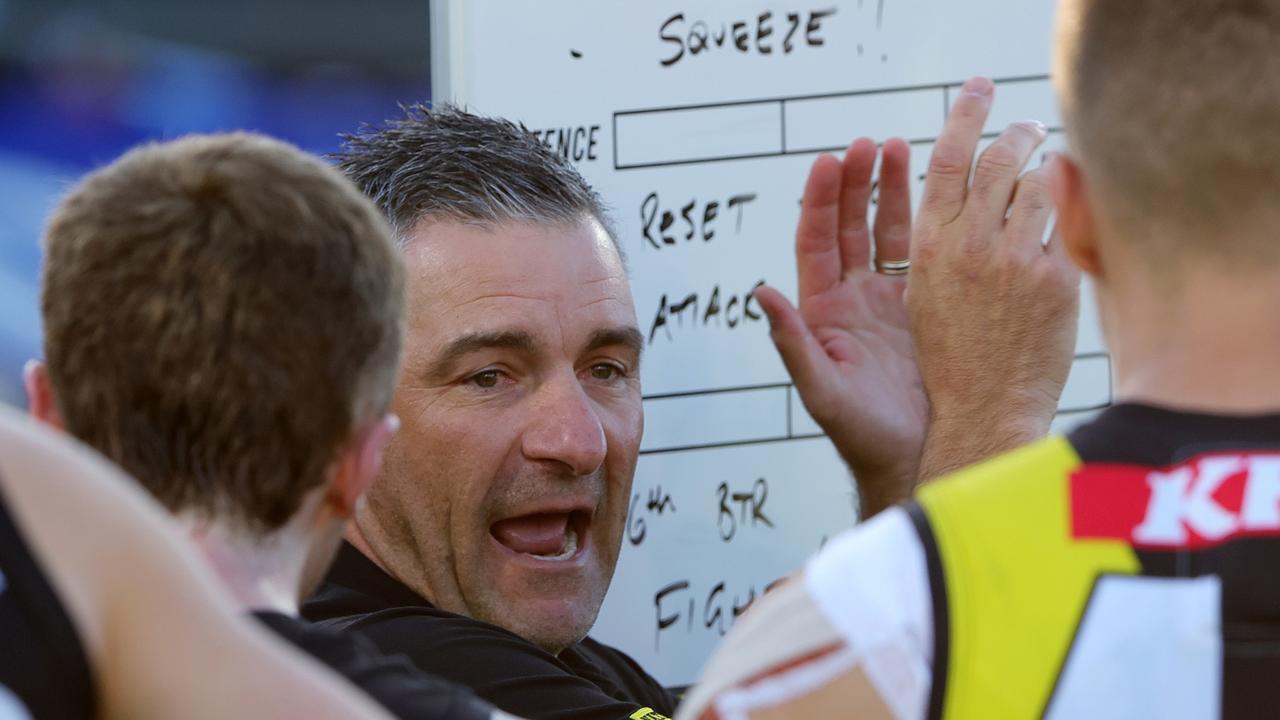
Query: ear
[[1077, 224], [359, 464], [40, 402]]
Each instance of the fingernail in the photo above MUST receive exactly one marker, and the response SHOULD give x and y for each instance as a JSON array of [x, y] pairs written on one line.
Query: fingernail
[[1039, 126], [980, 86]]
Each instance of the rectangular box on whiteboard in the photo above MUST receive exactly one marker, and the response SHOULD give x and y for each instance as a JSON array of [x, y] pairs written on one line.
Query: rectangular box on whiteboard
[[921, 152], [1064, 423], [715, 418], [827, 123], [1089, 339], [1088, 385], [802, 423], [679, 135]]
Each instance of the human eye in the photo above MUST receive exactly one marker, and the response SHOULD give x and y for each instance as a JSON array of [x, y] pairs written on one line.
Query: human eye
[[606, 371], [486, 379]]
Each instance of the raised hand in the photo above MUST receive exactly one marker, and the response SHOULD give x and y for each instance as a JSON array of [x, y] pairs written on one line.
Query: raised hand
[[993, 309], [848, 347]]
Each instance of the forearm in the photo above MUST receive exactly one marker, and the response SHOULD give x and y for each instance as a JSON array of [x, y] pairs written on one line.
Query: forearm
[[960, 437]]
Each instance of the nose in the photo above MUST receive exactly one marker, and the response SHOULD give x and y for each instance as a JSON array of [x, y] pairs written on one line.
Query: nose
[[564, 427]]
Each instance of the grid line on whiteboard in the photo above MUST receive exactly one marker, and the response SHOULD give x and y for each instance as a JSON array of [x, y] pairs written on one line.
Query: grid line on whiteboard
[[796, 125], [772, 412]]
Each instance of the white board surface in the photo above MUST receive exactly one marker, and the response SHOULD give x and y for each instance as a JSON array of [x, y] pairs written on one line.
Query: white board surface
[[736, 485]]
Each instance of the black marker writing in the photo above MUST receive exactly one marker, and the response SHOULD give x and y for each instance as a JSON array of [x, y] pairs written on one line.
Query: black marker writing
[[756, 33], [689, 312], [659, 503], [697, 220], [571, 143], [678, 601], [727, 522]]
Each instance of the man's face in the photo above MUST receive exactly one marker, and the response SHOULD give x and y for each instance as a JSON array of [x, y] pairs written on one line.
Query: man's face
[[504, 495]]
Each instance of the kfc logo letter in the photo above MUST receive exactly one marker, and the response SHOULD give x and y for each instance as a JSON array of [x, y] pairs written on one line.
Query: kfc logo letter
[[1165, 510], [1174, 508], [1200, 503], [1261, 509]]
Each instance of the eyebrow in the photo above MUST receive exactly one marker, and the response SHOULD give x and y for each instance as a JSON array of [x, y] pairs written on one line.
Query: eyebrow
[[460, 347], [626, 336]]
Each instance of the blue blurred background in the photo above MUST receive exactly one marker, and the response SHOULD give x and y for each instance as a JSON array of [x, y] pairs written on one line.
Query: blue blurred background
[[82, 81]]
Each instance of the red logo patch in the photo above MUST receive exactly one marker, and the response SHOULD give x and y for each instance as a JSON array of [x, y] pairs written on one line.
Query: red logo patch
[[1204, 502]]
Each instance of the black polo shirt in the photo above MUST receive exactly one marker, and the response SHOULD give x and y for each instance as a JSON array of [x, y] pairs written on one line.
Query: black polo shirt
[[587, 681], [402, 689]]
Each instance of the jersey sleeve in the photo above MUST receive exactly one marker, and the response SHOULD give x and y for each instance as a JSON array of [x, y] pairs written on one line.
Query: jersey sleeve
[[853, 633]]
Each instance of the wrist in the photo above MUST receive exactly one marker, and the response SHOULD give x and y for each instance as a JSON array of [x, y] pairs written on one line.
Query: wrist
[[881, 487], [881, 492], [1025, 415], [959, 437]]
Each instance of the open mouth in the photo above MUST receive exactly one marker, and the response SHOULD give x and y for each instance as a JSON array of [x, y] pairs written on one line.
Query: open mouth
[[553, 536]]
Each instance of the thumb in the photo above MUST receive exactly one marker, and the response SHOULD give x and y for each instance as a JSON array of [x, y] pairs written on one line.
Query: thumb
[[800, 351]]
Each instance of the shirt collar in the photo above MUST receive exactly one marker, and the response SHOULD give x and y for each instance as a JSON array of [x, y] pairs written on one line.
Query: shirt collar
[[353, 571]]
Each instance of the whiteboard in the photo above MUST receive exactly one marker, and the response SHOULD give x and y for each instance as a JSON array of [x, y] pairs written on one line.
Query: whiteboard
[[709, 112]]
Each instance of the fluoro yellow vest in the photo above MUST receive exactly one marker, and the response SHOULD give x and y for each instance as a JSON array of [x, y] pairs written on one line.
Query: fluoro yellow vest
[[1016, 581]]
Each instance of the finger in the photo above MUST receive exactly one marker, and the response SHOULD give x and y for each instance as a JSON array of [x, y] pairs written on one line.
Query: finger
[[893, 210], [800, 351], [1029, 212], [997, 172], [855, 193], [817, 249], [947, 179]]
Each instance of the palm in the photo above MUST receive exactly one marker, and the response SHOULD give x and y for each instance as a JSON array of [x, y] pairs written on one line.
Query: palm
[[872, 390], [847, 346]]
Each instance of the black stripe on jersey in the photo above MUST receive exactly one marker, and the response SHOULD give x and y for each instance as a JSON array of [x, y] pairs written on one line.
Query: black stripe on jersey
[[941, 619], [1250, 615]]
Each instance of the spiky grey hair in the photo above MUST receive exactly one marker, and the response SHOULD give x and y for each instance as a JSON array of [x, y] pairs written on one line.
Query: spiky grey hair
[[447, 163]]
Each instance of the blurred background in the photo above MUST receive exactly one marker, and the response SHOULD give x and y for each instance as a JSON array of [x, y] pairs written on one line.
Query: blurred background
[[83, 80]]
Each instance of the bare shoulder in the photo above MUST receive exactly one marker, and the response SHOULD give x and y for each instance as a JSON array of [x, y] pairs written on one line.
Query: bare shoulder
[[82, 519]]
